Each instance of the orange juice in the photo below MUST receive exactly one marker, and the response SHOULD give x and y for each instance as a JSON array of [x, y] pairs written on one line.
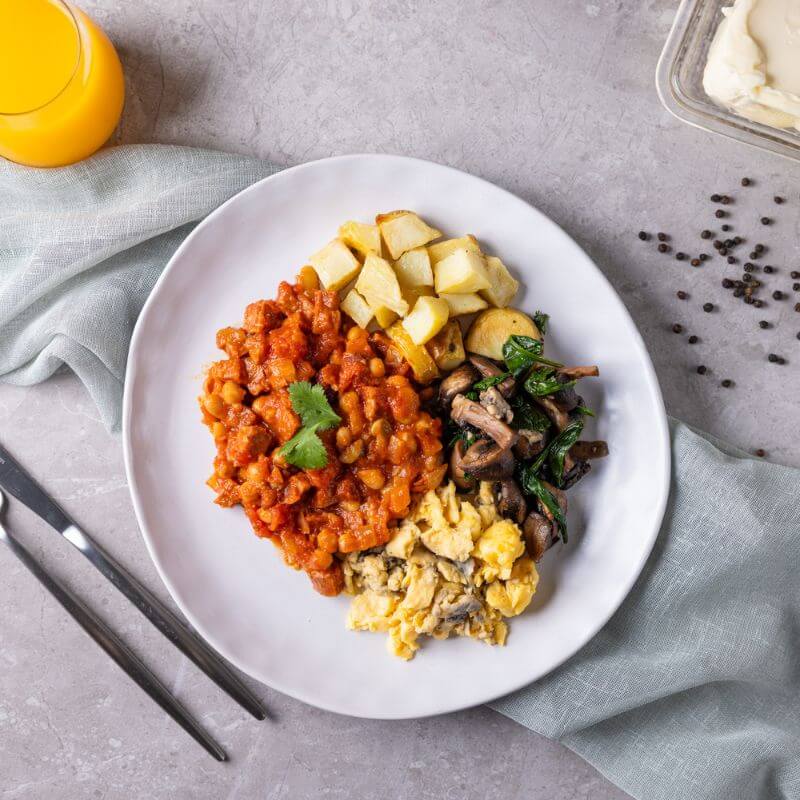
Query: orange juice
[[61, 83]]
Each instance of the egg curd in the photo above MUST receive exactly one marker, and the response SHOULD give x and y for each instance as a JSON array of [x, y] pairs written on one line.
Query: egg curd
[[454, 567]]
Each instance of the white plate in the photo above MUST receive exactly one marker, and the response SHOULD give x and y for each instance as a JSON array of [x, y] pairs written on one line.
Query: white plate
[[234, 588]]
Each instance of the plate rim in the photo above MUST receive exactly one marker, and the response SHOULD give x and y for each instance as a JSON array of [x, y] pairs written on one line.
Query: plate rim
[[136, 499]]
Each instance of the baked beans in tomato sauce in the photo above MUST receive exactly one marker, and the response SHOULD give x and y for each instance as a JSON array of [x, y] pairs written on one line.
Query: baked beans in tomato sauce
[[386, 450]]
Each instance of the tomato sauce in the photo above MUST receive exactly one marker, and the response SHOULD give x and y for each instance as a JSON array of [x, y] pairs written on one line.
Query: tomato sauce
[[386, 450]]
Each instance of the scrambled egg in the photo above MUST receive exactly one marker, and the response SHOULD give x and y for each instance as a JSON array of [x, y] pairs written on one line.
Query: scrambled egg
[[455, 567]]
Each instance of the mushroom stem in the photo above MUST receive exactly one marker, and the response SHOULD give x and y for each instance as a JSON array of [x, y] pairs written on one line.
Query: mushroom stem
[[468, 412]]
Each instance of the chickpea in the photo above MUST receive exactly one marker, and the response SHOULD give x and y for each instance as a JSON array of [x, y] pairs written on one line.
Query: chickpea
[[308, 279], [372, 478], [327, 540], [370, 408], [377, 368], [214, 405], [352, 452], [225, 469], [349, 402], [256, 472], [343, 438], [380, 427], [232, 393], [353, 334], [218, 430], [260, 406]]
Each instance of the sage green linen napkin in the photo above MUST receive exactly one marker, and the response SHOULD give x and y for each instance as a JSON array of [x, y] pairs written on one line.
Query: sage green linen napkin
[[82, 246], [691, 691]]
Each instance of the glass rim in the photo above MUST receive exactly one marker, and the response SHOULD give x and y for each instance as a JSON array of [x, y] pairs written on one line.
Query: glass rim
[[67, 8]]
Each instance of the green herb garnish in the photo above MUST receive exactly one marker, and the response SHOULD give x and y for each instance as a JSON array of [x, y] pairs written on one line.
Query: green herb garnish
[[532, 485], [541, 321], [305, 449], [586, 412], [527, 416], [559, 447], [492, 380], [543, 381], [521, 353]]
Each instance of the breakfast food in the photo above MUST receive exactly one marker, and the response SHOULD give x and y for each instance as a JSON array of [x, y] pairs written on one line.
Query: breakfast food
[[342, 405], [454, 567], [316, 481], [753, 65]]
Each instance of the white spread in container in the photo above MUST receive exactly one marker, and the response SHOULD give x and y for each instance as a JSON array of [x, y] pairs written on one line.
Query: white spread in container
[[753, 63]]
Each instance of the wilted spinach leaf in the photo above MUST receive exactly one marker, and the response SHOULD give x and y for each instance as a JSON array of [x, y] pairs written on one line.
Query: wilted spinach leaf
[[521, 352], [543, 381], [527, 415], [541, 321], [533, 486], [559, 447], [492, 380]]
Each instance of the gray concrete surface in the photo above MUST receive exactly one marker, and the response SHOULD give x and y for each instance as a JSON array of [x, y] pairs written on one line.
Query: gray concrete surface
[[552, 100]]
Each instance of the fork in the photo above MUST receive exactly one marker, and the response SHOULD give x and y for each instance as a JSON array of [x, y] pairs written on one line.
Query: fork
[[124, 657]]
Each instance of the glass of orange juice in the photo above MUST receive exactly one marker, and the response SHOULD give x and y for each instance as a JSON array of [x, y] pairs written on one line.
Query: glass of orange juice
[[61, 83]]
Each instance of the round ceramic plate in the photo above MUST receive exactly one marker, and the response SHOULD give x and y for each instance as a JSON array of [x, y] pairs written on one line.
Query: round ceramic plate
[[234, 587]]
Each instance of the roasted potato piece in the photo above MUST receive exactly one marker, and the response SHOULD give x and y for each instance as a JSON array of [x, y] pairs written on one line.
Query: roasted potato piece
[[424, 366], [413, 268], [335, 265], [378, 285], [385, 316], [441, 250], [464, 303], [504, 286], [404, 230], [462, 272], [357, 308], [412, 293], [447, 347], [426, 319], [361, 237], [491, 328]]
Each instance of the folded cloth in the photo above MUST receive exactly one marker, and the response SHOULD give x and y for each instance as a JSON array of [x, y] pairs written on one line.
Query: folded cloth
[[692, 689], [82, 246]]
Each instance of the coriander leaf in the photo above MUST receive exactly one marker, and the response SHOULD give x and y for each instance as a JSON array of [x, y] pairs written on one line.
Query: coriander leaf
[[527, 416], [532, 485], [541, 321], [521, 352], [492, 380], [305, 450], [312, 406]]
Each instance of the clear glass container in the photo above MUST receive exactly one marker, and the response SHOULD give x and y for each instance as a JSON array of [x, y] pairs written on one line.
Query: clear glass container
[[679, 81]]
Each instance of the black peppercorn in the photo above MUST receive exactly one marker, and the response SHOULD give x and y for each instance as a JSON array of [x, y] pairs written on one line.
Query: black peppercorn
[[692, 339], [737, 240], [794, 274], [747, 277], [715, 198], [643, 236], [797, 306], [725, 200], [731, 260], [758, 303], [796, 287], [706, 234], [754, 255], [745, 181], [663, 248], [729, 243], [677, 328], [726, 227], [766, 221], [738, 292], [727, 383], [777, 295], [681, 294], [749, 266], [695, 262], [704, 256], [759, 248], [708, 307], [723, 251], [772, 358], [778, 200], [719, 213], [727, 283], [701, 370], [680, 256], [769, 269], [717, 244], [760, 453], [662, 237], [762, 323]]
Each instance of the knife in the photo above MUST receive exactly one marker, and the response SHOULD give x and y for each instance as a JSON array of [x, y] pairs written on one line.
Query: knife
[[18, 483]]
